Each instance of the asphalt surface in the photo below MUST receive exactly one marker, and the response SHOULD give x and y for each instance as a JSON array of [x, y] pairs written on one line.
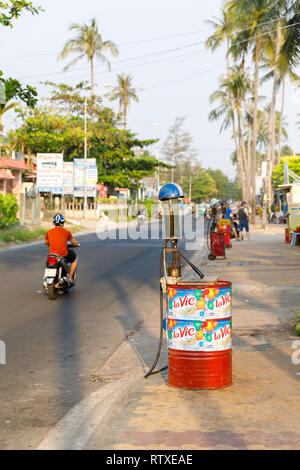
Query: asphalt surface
[[54, 347]]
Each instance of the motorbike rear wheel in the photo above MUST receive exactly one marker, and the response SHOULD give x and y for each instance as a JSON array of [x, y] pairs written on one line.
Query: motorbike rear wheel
[[52, 292]]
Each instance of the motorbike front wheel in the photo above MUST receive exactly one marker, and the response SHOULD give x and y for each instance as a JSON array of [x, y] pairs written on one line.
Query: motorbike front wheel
[[52, 292]]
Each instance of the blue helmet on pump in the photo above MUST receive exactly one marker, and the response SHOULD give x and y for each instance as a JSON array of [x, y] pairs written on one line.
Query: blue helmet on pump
[[170, 191]]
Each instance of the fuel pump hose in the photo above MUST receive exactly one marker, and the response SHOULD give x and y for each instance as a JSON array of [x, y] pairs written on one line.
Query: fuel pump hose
[[161, 333]]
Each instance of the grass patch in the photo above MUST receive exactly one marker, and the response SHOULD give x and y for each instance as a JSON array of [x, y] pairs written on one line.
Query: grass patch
[[21, 235], [26, 234]]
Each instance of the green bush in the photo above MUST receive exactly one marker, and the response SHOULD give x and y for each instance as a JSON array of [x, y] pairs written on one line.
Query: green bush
[[8, 210]]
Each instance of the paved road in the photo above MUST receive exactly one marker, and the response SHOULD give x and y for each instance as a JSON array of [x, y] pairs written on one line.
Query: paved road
[[53, 348]]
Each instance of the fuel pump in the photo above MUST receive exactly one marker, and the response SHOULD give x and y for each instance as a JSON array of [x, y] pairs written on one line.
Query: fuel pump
[[170, 273], [198, 314]]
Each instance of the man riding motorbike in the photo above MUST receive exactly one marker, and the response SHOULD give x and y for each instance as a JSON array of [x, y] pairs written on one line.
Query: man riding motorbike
[[57, 239]]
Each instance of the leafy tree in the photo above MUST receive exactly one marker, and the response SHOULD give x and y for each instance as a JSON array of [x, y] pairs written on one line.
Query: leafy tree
[[124, 93], [12, 9], [4, 108], [278, 172], [52, 129], [234, 190], [8, 210], [88, 43], [286, 151], [222, 182], [202, 184], [178, 151], [11, 89]]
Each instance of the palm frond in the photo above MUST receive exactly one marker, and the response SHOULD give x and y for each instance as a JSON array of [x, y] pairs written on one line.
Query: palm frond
[[73, 62]]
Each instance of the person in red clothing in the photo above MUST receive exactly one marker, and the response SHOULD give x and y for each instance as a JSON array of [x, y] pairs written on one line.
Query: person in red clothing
[[57, 239]]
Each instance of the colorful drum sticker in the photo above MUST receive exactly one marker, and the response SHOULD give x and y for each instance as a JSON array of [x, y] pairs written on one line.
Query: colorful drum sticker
[[185, 335], [193, 304], [211, 335], [218, 335], [219, 306]]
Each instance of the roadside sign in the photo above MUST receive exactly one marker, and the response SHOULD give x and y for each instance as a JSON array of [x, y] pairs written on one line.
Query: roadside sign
[[68, 177], [79, 177], [259, 184], [50, 173], [294, 210]]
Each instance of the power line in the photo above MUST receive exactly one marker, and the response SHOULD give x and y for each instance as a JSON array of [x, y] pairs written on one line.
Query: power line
[[121, 45], [161, 38], [167, 51], [201, 31], [183, 78], [171, 58], [161, 52], [158, 62], [263, 34]]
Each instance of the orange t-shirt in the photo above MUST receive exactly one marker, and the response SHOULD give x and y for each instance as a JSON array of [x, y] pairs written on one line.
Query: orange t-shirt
[[58, 240]]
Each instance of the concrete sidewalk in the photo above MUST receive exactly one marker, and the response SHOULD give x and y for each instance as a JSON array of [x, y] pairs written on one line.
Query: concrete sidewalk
[[261, 409]]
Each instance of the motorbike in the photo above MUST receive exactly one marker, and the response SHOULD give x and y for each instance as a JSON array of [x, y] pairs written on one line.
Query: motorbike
[[141, 219], [56, 276]]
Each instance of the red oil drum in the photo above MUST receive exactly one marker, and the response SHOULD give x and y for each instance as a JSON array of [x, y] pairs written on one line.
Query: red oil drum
[[200, 370], [287, 236], [217, 245], [199, 328], [224, 226]]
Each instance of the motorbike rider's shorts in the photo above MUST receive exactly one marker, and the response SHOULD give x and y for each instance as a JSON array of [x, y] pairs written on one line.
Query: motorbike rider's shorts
[[71, 256]]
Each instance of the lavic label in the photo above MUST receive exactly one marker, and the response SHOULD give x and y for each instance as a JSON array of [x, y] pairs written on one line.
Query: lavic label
[[211, 335], [199, 304]]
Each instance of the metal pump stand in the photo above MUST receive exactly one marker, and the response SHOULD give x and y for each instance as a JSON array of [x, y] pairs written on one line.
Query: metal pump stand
[[169, 274]]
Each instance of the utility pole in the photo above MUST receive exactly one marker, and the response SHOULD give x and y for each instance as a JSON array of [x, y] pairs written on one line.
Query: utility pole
[[85, 159], [190, 189]]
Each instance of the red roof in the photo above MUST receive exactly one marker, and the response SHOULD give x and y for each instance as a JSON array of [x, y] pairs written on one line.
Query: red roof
[[12, 164], [5, 175]]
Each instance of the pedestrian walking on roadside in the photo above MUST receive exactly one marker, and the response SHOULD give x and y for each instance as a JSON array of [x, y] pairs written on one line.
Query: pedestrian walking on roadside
[[229, 216], [243, 216]]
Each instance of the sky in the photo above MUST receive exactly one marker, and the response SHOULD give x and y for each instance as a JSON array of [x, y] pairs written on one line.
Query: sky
[[161, 45]]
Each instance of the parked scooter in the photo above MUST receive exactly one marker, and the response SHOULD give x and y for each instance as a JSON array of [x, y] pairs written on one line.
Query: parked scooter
[[56, 276]]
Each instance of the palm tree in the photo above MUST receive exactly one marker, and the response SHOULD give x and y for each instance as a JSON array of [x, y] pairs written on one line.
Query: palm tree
[[88, 43], [289, 58], [231, 95], [252, 38], [224, 28], [262, 131], [284, 72], [124, 93], [263, 128]]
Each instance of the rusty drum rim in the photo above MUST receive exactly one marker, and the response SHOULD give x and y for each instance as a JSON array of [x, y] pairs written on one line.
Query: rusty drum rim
[[199, 285]]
